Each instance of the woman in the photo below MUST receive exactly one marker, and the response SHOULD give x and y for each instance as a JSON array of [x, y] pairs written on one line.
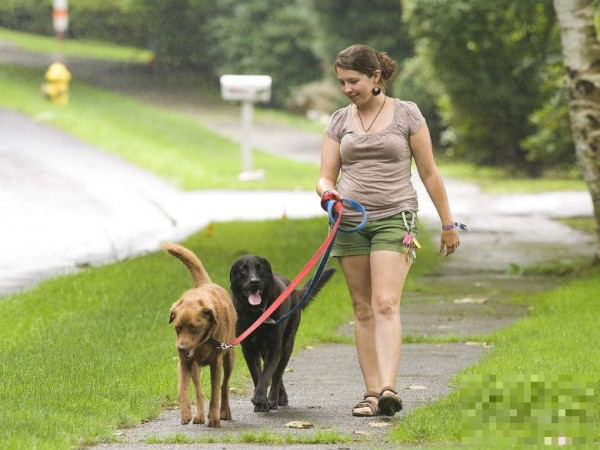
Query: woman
[[366, 156]]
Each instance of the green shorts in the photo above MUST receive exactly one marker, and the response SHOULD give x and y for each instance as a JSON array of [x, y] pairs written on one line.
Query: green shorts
[[382, 234]]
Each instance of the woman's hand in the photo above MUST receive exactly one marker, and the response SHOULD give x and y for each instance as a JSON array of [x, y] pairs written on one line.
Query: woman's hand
[[333, 192], [449, 241]]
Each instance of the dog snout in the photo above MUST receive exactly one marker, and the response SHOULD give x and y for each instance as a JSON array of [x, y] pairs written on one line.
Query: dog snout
[[254, 283], [182, 349]]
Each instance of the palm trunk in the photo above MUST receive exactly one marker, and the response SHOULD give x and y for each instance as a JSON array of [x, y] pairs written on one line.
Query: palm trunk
[[581, 54]]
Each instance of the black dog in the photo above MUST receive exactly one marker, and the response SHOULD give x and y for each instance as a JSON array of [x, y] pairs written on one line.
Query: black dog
[[254, 288]]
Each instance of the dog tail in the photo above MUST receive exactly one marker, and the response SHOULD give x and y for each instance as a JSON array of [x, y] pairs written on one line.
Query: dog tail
[[191, 261], [325, 277]]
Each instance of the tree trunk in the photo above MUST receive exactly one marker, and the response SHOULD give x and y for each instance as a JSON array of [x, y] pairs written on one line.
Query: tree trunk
[[581, 54]]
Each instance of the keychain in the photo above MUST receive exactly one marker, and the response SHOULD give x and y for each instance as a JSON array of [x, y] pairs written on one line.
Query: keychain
[[409, 242]]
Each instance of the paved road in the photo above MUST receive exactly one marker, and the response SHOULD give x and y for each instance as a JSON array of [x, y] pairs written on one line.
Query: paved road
[[65, 204]]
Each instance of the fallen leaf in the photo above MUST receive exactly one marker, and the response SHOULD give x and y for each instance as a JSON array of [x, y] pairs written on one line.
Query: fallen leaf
[[476, 301], [363, 433], [380, 424], [415, 387], [478, 344], [299, 424], [210, 230]]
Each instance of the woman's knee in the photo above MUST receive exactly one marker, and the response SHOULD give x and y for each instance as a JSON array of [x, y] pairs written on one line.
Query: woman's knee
[[362, 312], [386, 306]]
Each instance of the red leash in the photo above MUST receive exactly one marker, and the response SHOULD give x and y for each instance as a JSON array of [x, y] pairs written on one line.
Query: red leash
[[286, 293]]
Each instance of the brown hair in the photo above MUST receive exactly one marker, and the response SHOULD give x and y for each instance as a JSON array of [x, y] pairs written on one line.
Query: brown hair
[[366, 60]]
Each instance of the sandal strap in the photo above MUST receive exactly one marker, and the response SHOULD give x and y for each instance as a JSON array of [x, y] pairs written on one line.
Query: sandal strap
[[371, 394], [367, 404], [388, 388]]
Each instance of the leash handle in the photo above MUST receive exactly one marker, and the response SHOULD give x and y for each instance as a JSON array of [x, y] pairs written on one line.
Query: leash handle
[[329, 205], [288, 290]]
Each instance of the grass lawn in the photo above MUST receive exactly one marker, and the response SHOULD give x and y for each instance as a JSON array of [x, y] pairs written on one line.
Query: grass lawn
[[77, 48], [560, 337], [173, 146], [92, 352], [86, 354]]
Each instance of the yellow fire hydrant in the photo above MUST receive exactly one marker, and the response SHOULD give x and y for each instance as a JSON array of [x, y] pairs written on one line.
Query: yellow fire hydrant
[[56, 87]]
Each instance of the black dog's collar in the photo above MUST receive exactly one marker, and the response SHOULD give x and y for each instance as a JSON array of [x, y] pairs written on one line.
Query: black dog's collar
[[268, 320]]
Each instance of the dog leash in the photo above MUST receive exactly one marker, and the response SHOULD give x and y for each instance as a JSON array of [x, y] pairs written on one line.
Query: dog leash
[[334, 210], [328, 205]]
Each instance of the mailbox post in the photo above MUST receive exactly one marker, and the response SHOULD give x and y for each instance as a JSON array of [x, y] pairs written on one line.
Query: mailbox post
[[248, 89]]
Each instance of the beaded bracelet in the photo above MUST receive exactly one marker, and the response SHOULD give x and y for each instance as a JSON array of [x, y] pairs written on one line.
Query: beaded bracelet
[[462, 226]]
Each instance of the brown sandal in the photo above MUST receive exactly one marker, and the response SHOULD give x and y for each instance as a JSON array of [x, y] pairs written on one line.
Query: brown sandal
[[389, 404], [366, 403]]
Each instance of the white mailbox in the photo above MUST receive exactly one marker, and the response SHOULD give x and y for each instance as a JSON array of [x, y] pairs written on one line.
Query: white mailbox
[[246, 88]]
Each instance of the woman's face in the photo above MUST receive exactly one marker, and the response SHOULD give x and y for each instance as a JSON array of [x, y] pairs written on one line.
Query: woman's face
[[356, 86]]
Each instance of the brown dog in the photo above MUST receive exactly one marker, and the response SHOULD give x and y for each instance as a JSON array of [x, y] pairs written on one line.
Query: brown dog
[[202, 313]]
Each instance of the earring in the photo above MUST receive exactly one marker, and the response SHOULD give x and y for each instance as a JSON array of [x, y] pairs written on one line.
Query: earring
[[376, 90]]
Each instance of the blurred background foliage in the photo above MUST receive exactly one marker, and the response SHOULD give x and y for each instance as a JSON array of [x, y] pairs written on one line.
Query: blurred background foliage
[[487, 74]]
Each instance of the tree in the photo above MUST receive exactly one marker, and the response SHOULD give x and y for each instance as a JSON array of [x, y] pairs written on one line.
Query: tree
[[581, 54], [176, 31], [490, 57], [377, 23], [269, 37]]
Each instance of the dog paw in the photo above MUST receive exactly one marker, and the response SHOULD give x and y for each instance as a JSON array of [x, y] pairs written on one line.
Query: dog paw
[[214, 422], [225, 414], [272, 404], [261, 403], [283, 398], [185, 419], [199, 419], [261, 408]]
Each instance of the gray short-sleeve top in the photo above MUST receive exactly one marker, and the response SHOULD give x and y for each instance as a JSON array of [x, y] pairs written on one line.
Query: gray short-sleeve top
[[376, 167]]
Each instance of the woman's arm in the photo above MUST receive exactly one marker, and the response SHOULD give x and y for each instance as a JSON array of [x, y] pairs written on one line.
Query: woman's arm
[[420, 144], [330, 167]]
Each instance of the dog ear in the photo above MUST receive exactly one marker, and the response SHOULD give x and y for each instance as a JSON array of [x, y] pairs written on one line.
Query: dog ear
[[266, 264], [209, 314], [173, 314], [233, 272]]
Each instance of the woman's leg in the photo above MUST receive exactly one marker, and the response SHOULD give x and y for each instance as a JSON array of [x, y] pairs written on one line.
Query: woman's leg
[[357, 272], [388, 274]]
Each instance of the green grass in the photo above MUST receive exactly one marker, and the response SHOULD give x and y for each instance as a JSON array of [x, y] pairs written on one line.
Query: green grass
[[585, 224], [77, 48], [86, 354], [265, 437], [560, 337], [173, 146]]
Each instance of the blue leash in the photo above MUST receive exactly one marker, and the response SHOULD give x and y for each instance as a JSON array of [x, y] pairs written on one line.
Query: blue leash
[[323, 262]]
